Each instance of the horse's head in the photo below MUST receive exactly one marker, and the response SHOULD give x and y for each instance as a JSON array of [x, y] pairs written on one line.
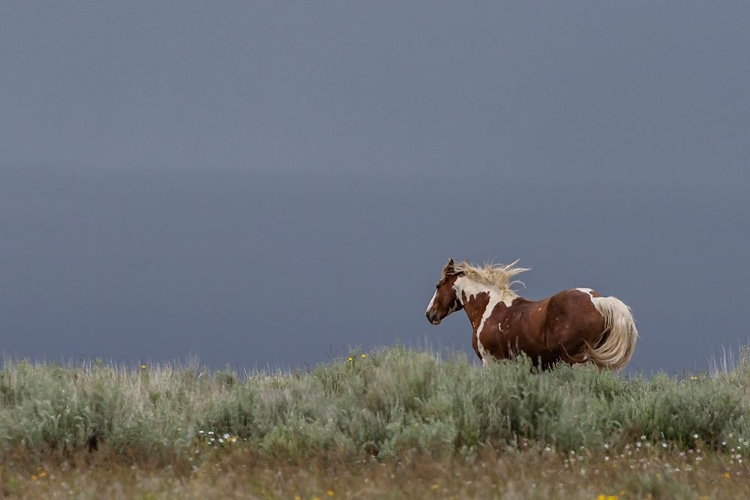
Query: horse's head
[[446, 299]]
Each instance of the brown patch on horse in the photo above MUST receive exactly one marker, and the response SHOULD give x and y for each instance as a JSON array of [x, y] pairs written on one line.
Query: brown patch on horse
[[572, 323], [508, 332], [475, 307]]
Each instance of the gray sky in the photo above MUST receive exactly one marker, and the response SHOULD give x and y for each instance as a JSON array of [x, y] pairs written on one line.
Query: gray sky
[[267, 183]]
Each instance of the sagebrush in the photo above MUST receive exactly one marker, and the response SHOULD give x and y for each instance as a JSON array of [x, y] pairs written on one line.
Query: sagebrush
[[384, 404]]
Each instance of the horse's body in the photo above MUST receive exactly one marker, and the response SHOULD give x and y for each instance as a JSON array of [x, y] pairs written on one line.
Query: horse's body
[[574, 326]]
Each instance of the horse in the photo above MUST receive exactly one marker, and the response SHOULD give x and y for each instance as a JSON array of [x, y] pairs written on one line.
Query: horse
[[573, 326]]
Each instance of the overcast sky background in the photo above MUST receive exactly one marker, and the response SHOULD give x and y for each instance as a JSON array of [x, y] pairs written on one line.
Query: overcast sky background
[[267, 184]]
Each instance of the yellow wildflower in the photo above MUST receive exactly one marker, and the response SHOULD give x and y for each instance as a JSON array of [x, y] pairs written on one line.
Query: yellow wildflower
[[726, 475], [363, 356], [329, 493]]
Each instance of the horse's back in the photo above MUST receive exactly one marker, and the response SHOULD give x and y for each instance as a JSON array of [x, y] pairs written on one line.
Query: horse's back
[[575, 302]]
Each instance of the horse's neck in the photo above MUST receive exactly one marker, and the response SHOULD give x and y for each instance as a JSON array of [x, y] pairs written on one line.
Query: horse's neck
[[480, 300]]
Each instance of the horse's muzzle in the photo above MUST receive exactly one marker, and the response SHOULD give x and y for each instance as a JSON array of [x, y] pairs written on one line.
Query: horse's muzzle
[[432, 319]]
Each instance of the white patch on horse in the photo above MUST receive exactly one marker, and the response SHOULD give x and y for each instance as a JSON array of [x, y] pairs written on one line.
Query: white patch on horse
[[594, 300], [466, 289], [432, 301], [471, 288], [599, 302], [482, 353], [495, 298]]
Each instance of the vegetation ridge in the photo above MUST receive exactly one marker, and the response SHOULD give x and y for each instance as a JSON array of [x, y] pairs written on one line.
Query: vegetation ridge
[[386, 407]]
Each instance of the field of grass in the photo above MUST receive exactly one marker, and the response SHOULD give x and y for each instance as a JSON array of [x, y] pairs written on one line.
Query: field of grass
[[392, 424]]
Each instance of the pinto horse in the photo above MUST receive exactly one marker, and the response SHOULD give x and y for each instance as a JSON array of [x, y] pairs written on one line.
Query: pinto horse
[[574, 326]]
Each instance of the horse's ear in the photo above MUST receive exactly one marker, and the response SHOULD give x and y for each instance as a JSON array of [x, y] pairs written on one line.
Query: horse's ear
[[449, 268]]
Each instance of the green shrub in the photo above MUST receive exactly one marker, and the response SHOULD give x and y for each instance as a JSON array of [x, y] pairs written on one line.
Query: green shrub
[[389, 403]]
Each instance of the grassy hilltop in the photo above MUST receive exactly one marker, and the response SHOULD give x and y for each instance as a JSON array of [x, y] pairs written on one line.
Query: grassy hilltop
[[392, 424]]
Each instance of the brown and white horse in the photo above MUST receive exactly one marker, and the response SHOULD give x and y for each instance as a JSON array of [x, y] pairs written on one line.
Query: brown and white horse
[[574, 326]]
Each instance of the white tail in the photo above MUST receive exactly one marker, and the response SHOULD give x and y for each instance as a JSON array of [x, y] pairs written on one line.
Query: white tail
[[618, 347]]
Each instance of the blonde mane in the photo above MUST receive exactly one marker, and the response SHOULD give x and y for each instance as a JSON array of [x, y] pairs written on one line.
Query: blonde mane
[[497, 275]]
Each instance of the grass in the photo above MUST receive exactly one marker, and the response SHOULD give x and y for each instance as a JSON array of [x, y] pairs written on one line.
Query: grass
[[391, 424]]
